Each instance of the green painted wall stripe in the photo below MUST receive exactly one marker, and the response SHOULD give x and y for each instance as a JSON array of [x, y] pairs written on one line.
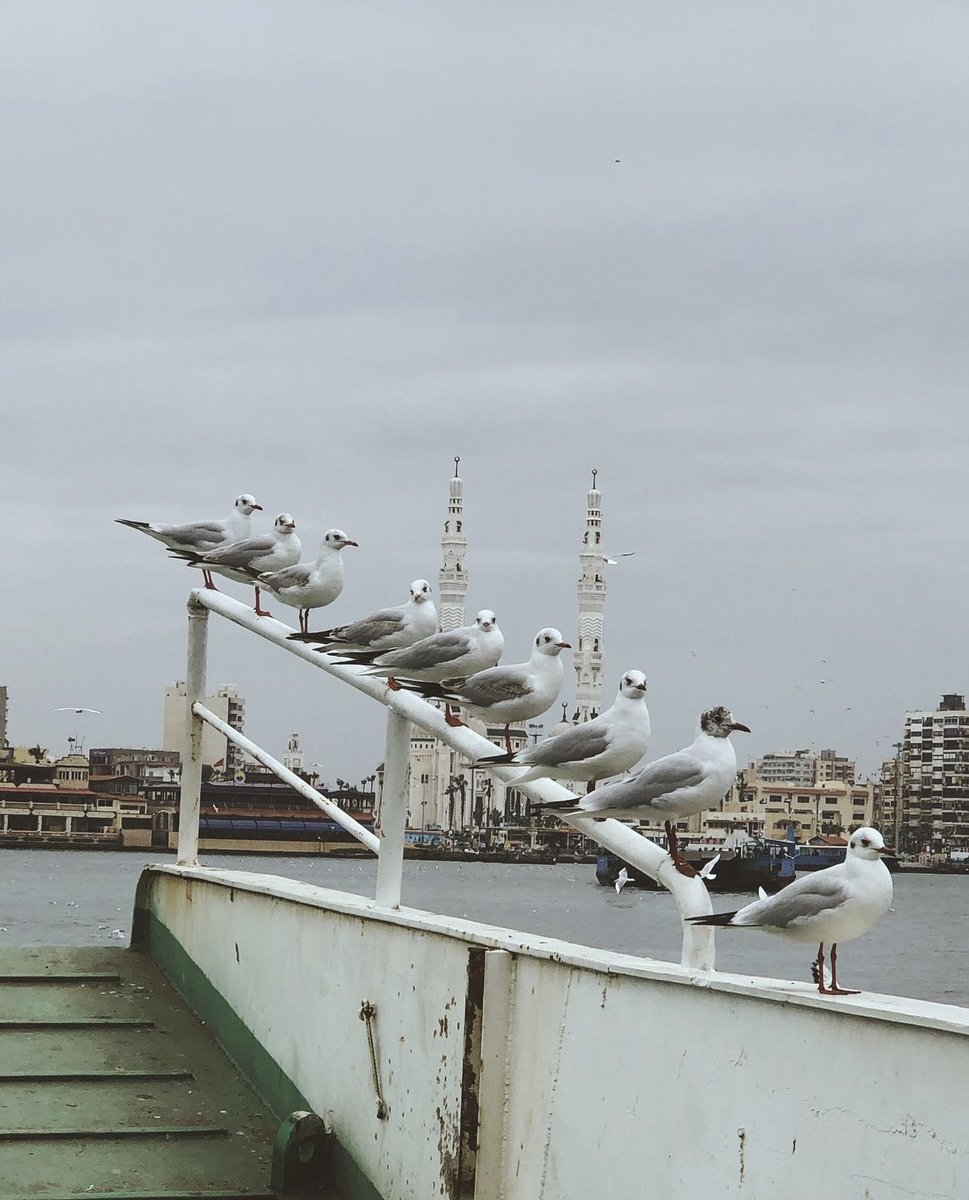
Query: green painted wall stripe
[[239, 1042]]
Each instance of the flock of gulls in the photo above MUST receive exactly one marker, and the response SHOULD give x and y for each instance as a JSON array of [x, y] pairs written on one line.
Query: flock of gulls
[[460, 667]]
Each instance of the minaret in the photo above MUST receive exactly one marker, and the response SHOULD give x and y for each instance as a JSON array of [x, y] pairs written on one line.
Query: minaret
[[592, 601], [453, 577]]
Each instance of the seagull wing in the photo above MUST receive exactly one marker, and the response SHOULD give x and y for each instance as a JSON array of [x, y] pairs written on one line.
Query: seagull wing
[[799, 903], [577, 745], [295, 576], [434, 651], [494, 686], [648, 786], [370, 629], [240, 554]]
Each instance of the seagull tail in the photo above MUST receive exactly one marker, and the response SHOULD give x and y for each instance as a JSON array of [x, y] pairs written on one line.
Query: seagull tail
[[496, 759], [356, 658], [430, 691], [724, 918], [322, 636], [189, 557], [560, 805]]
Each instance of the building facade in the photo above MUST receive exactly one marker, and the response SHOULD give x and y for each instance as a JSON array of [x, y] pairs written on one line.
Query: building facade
[[932, 812], [590, 648], [452, 580], [3, 714], [217, 751]]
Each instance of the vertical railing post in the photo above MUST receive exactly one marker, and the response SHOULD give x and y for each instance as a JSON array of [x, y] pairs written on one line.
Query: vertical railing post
[[191, 794], [393, 810]]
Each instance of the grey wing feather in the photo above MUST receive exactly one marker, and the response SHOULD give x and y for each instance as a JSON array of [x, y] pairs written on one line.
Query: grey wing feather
[[434, 651], [296, 576], [240, 554], [369, 629], [806, 897], [575, 745], [659, 778], [195, 533], [494, 686]]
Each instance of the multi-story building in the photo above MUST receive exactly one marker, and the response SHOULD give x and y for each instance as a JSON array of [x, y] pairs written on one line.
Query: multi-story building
[[933, 790], [130, 769], [831, 808], [590, 649], [217, 751], [803, 768]]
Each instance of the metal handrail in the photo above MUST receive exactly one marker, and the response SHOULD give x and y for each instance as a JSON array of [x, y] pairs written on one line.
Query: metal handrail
[[404, 710]]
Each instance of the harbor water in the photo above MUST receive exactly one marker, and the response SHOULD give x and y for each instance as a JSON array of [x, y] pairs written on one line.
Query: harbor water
[[69, 897]]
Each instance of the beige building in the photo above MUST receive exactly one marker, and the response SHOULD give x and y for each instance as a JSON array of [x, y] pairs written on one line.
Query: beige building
[[833, 808], [217, 751]]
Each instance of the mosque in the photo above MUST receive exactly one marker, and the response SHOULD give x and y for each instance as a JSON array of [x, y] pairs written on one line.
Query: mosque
[[447, 792]]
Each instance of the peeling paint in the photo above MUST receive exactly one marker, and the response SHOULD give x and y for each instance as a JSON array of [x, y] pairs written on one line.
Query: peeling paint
[[742, 1136]]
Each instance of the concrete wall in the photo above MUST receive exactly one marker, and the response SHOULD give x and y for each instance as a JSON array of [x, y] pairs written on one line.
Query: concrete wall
[[583, 1073]]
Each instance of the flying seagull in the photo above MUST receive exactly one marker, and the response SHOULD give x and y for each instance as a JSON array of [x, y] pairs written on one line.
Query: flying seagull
[[78, 710]]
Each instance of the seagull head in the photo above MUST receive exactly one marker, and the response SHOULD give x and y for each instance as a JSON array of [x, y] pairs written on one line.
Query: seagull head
[[247, 505], [549, 641], [867, 843], [633, 685], [486, 620], [336, 539], [284, 523], [719, 723], [420, 591]]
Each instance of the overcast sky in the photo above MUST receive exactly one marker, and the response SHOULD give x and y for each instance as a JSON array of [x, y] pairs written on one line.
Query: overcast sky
[[314, 250]]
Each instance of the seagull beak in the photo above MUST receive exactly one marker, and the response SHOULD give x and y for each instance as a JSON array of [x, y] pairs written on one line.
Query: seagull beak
[[641, 687], [564, 645], [351, 542], [887, 850], [742, 728], [257, 508]]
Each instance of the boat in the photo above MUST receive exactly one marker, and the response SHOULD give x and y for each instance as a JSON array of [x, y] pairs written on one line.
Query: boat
[[390, 1053], [738, 865]]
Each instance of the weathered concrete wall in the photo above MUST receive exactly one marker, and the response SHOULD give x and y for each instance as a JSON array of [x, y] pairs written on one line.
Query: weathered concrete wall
[[597, 1074]]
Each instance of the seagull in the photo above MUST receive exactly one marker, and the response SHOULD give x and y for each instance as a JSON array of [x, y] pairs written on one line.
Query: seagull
[[311, 584], [622, 879], [245, 559], [513, 693], [613, 560], [834, 905], [78, 710], [608, 744], [386, 629], [679, 785], [201, 536], [455, 654]]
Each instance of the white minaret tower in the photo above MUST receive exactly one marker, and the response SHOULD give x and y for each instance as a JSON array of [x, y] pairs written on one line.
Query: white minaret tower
[[592, 602], [293, 758], [453, 578]]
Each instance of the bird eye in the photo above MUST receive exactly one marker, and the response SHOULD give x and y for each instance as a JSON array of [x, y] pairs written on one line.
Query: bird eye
[[866, 841]]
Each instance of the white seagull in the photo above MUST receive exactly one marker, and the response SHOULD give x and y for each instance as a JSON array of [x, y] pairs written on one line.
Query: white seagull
[[687, 782], [310, 585], [243, 560], [79, 710], [622, 879], [829, 906], [455, 654], [607, 745], [386, 629], [202, 536], [513, 693]]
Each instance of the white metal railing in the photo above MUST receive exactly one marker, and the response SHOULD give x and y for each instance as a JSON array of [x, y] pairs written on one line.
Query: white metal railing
[[405, 709]]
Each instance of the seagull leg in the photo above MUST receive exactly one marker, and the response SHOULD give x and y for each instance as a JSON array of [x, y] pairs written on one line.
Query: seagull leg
[[834, 990], [508, 738], [260, 611], [679, 862], [209, 581], [304, 620], [451, 718], [393, 684]]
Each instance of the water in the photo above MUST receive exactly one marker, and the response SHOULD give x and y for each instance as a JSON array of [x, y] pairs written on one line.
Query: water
[[64, 897]]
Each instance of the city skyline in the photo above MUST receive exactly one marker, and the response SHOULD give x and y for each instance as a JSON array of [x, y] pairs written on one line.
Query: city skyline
[[717, 258]]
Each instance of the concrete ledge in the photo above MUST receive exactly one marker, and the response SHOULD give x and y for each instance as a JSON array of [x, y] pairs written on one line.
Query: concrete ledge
[[946, 1018]]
